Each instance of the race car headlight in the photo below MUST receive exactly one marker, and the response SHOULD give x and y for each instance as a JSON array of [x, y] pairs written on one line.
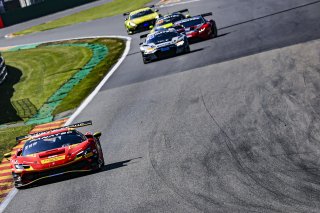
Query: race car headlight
[[201, 30], [131, 24], [87, 151], [149, 50], [21, 166], [180, 43], [84, 153]]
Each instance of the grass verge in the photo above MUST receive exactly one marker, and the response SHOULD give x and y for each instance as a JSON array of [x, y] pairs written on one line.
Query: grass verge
[[44, 70], [113, 8], [87, 85], [8, 138]]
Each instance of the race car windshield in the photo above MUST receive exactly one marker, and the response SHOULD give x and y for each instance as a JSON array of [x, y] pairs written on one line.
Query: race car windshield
[[161, 37], [142, 13], [52, 142], [192, 22], [168, 20]]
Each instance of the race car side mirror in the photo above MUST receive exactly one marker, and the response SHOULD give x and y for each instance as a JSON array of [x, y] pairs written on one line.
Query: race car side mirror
[[19, 151], [151, 27], [156, 10], [126, 19], [97, 135], [7, 155], [140, 43]]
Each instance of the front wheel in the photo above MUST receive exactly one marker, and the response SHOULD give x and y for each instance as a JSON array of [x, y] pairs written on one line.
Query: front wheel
[[130, 32], [100, 164], [187, 49], [145, 61]]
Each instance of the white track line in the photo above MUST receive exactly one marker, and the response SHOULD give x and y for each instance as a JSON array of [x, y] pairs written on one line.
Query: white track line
[[13, 192], [178, 3]]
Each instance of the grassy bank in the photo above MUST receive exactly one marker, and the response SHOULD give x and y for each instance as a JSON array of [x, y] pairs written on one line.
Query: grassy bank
[[116, 48], [44, 70], [113, 8]]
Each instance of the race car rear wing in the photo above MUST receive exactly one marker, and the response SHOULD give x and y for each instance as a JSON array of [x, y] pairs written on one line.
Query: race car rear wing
[[206, 14], [182, 11], [127, 13], [76, 125]]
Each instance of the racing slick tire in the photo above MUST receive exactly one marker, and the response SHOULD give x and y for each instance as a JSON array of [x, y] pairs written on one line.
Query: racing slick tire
[[214, 31], [187, 49], [100, 165], [130, 32], [145, 61]]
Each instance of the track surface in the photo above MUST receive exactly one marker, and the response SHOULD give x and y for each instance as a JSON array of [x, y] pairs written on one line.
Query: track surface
[[238, 136]]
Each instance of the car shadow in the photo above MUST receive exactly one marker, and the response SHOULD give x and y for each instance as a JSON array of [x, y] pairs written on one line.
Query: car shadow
[[62, 178], [117, 165], [8, 112]]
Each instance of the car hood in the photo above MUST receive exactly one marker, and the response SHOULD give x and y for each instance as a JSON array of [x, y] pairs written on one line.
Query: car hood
[[166, 42], [166, 26], [145, 18]]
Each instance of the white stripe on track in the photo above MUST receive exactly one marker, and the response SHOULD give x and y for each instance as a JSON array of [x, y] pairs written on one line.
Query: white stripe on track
[[178, 3]]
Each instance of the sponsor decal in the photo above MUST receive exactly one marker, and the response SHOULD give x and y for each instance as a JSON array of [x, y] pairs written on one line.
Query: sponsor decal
[[53, 159]]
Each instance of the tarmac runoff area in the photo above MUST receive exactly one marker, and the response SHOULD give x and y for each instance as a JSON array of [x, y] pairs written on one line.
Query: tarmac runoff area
[[238, 136], [248, 129]]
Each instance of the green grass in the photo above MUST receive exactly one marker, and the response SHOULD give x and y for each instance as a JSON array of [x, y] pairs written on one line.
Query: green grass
[[44, 70], [113, 8], [86, 86], [8, 138]]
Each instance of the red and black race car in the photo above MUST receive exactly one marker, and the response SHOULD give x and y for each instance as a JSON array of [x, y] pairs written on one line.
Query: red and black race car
[[199, 28], [56, 152]]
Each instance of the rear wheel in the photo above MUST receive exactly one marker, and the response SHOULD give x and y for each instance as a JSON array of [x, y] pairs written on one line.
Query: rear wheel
[[214, 31]]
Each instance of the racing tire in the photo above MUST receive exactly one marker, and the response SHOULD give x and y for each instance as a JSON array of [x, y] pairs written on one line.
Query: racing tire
[[145, 61], [100, 165], [214, 31], [18, 187], [187, 49]]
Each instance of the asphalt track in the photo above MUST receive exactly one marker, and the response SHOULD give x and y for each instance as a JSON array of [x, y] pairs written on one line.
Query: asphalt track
[[182, 136]]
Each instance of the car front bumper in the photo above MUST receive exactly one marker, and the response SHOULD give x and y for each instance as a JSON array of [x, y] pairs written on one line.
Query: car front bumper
[[77, 166], [164, 52]]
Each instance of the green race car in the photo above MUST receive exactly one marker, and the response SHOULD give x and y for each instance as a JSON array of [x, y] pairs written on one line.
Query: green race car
[[167, 21], [140, 20]]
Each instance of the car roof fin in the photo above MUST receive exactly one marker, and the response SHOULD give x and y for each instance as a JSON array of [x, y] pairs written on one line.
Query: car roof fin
[[76, 125]]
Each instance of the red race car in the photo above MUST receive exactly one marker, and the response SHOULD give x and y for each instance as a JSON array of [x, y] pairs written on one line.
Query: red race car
[[197, 27], [56, 152]]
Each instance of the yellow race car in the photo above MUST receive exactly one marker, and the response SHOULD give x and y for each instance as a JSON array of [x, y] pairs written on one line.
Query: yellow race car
[[167, 21], [141, 20]]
